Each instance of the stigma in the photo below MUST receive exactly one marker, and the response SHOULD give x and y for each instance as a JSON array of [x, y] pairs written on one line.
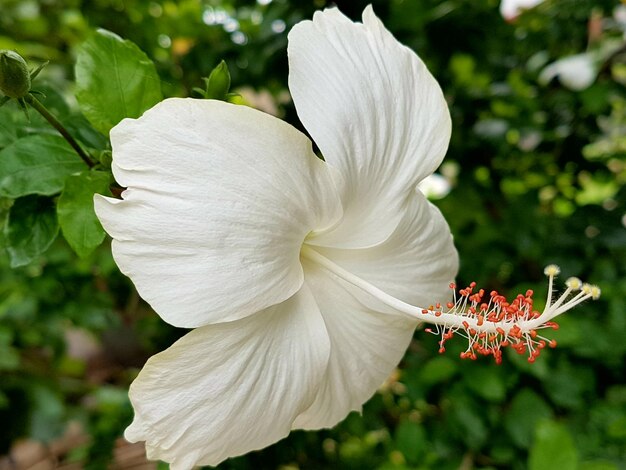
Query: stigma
[[490, 322]]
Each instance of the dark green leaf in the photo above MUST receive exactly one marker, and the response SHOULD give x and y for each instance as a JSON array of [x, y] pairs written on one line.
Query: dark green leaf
[[439, 369], [77, 218], [8, 130], [5, 208], [411, 440], [487, 382], [526, 410], [37, 165], [114, 80], [31, 229], [553, 448], [598, 465], [48, 412]]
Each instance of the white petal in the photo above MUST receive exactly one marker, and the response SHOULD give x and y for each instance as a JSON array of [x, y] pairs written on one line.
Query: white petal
[[219, 200], [365, 348], [415, 264], [230, 388], [376, 113]]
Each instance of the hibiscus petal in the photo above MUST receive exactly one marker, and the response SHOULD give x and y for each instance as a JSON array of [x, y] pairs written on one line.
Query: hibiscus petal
[[365, 344], [230, 388], [219, 200], [376, 113], [415, 264]]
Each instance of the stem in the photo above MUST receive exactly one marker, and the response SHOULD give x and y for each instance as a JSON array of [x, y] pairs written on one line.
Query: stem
[[454, 321], [35, 103], [460, 317]]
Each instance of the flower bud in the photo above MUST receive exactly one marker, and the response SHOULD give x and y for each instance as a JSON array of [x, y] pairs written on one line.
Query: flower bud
[[14, 75]]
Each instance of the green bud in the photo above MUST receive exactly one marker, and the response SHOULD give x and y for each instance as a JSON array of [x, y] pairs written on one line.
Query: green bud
[[14, 75], [217, 84]]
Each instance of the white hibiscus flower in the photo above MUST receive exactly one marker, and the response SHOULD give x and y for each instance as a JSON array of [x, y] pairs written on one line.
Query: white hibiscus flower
[[511, 9], [299, 276], [576, 72]]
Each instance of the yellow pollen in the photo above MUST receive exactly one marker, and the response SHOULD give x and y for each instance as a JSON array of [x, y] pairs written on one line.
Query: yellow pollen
[[552, 270], [574, 283], [595, 292]]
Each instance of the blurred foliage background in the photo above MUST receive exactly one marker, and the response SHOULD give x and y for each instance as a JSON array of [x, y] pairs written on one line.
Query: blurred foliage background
[[535, 173]]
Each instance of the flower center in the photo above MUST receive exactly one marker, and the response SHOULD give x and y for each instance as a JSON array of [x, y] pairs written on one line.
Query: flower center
[[488, 323]]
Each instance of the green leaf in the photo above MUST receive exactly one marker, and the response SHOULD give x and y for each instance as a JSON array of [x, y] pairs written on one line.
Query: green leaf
[[527, 409], [48, 410], [487, 382], [8, 129], [411, 441], [5, 208], [598, 465], [114, 80], [437, 370], [37, 165], [31, 229], [553, 448], [81, 228]]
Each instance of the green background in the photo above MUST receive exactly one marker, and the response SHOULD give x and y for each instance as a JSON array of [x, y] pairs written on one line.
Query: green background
[[538, 175]]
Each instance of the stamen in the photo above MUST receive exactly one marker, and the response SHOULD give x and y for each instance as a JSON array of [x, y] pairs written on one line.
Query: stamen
[[488, 322], [516, 323], [551, 271]]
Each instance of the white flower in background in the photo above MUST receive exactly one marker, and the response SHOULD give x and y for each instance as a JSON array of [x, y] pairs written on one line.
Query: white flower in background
[[575, 72], [435, 186], [619, 15], [301, 277], [511, 9]]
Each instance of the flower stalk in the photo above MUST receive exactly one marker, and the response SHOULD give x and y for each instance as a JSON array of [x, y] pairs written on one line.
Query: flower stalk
[[54, 122]]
